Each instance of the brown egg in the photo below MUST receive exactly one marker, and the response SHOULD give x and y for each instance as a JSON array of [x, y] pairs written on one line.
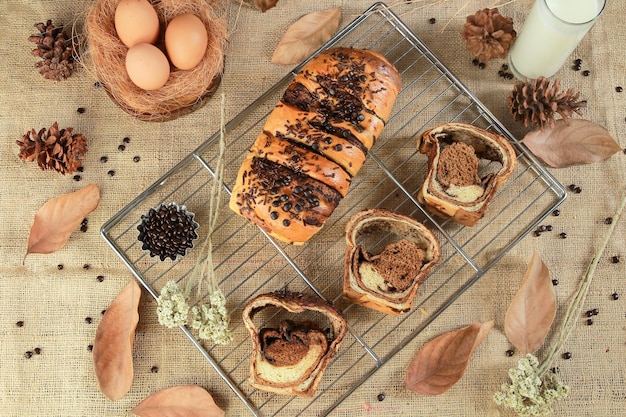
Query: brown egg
[[186, 41], [136, 22], [147, 67]]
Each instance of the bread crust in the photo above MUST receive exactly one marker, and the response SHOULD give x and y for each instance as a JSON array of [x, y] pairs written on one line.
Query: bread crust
[[487, 145], [327, 120], [381, 222], [294, 303]]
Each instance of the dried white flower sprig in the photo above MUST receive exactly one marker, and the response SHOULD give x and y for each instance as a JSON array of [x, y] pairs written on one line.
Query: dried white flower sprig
[[533, 388], [211, 320]]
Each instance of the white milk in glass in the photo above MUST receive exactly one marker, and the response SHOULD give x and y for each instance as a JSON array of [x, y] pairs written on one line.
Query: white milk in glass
[[550, 34]]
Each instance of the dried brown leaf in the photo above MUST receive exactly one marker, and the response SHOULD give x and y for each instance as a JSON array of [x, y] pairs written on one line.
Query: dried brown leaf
[[179, 401], [113, 345], [574, 142], [306, 35], [441, 363], [56, 220], [532, 311]]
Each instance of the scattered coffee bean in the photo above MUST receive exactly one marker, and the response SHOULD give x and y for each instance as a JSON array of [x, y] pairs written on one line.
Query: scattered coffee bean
[[83, 228], [28, 354], [121, 148], [563, 235], [475, 61], [154, 369], [576, 67], [126, 140], [589, 313], [615, 259], [97, 84], [509, 352], [537, 233], [432, 20], [103, 311], [586, 73], [80, 169], [608, 220], [619, 89], [100, 278], [555, 370], [615, 296], [90, 348], [567, 355], [549, 228], [556, 213], [77, 177], [572, 187], [542, 228], [88, 320], [595, 311], [578, 190], [589, 322], [380, 397], [136, 159], [86, 267], [20, 323], [111, 173], [37, 351], [60, 267], [103, 159], [555, 282], [578, 61], [80, 110], [482, 65]]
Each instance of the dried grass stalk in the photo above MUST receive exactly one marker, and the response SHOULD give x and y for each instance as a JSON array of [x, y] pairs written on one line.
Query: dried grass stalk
[[104, 55]]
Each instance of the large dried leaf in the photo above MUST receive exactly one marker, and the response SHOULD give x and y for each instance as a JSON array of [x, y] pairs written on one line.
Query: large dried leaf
[[574, 142], [113, 345], [180, 401], [306, 35], [441, 363], [56, 220], [533, 309]]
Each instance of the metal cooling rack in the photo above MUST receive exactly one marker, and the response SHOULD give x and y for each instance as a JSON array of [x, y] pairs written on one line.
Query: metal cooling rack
[[393, 172]]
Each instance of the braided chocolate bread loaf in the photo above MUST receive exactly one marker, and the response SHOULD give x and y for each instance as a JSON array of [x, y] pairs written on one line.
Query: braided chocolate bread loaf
[[314, 141]]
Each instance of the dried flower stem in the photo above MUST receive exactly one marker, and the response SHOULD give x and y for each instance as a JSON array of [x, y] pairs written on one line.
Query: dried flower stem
[[204, 271], [576, 303]]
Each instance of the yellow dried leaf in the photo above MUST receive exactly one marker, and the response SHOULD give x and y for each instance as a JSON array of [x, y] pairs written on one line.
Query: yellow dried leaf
[[441, 363], [572, 142], [113, 345], [306, 35], [532, 311], [179, 401], [56, 220]]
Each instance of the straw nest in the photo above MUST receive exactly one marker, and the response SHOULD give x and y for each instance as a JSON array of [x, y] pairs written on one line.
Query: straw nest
[[185, 91]]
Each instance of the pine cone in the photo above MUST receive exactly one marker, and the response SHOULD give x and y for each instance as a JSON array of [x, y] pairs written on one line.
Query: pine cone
[[535, 102], [54, 149], [488, 34], [56, 51]]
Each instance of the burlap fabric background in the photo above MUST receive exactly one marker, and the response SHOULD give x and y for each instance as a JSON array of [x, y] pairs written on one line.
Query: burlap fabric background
[[54, 303]]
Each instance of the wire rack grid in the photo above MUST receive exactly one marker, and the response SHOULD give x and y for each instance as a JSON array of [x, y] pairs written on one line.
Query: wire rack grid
[[247, 265]]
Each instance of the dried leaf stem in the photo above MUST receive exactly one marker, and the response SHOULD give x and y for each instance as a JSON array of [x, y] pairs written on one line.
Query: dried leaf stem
[[576, 303]]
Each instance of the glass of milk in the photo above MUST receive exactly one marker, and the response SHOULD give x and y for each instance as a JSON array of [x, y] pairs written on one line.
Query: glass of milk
[[550, 34]]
